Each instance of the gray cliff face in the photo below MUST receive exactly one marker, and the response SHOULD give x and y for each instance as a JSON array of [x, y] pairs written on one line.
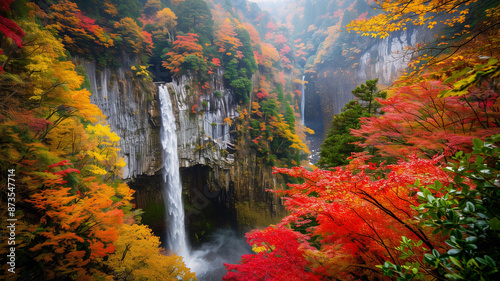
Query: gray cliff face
[[129, 114], [384, 59], [216, 176], [387, 58], [203, 137]]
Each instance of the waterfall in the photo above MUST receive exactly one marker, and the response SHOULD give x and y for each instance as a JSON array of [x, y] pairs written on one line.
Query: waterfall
[[302, 102], [176, 232]]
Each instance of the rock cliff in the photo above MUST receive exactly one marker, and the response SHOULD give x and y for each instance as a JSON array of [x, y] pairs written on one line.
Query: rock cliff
[[132, 112], [330, 87], [221, 184]]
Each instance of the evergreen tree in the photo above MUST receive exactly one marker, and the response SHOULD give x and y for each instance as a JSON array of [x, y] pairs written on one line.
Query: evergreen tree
[[339, 143], [194, 16], [368, 94]]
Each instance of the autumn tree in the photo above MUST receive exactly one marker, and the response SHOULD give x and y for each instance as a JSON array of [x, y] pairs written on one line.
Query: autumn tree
[[461, 29], [112, 9], [345, 222], [78, 225], [397, 14], [10, 30], [151, 8], [279, 256], [80, 33], [138, 256], [165, 25], [70, 202], [418, 120], [133, 38], [185, 55]]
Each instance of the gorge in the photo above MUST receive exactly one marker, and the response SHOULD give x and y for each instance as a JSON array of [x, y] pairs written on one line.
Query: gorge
[[219, 181], [148, 139]]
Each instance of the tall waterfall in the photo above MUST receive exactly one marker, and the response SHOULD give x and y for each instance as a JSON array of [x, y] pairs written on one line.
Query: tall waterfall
[[302, 101], [176, 232]]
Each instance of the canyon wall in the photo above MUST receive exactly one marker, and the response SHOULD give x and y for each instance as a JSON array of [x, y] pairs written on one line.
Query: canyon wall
[[223, 185], [132, 112], [330, 87]]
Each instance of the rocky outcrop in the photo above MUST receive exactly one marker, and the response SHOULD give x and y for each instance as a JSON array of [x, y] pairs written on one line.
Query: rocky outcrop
[[216, 176], [388, 57], [203, 135], [330, 88], [132, 113]]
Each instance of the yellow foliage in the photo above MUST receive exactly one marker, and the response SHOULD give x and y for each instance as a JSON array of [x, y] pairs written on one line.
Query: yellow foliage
[[269, 55], [104, 152], [416, 12], [96, 170], [138, 257], [123, 191], [165, 23], [309, 131]]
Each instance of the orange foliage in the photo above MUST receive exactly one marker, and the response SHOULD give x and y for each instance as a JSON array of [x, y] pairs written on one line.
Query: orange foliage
[[79, 32], [135, 40], [184, 45], [70, 220]]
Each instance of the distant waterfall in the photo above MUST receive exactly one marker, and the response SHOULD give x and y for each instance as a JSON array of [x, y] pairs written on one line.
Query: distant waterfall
[[176, 232], [302, 102]]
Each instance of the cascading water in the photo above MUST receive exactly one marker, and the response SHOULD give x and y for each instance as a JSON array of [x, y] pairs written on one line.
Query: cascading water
[[303, 102], [176, 232], [206, 262]]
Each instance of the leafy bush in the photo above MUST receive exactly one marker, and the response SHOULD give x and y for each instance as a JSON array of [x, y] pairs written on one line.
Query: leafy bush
[[468, 210], [242, 87]]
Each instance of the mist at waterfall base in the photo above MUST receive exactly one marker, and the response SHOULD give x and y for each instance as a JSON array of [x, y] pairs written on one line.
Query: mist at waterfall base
[[224, 246]]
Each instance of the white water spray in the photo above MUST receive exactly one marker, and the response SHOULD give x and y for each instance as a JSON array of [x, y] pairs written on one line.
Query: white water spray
[[302, 102], [176, 232]]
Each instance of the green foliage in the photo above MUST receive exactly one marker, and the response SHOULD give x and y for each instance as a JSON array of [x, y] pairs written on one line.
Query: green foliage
[[270, 107], [467, 77], [238, 72], [231, 72], [86, 82], [279, 90], [194, 16], [248, 61], [410, 270], [289, 116], [368, 94], [242, 87], [468, 212], [339, 143], [194, 63]]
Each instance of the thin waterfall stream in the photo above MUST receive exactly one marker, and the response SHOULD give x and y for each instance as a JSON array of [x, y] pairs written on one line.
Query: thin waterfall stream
[[303, 102]]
